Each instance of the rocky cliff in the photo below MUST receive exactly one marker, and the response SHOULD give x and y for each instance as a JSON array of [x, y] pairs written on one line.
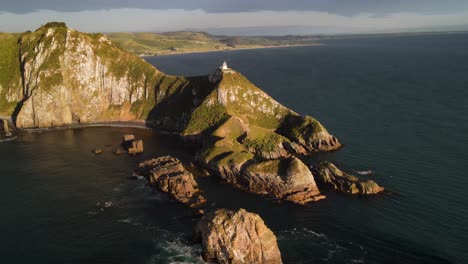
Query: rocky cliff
[[57, 76]]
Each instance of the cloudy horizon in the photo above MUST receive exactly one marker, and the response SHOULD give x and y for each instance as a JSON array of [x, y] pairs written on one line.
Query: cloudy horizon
[[236, 17]]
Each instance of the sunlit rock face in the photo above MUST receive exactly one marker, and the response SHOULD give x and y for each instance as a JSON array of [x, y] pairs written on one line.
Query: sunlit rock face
[[235, 237]]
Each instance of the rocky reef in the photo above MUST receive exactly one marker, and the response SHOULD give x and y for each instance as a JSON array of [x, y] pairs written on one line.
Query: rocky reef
[[329, 176], [169, 175], [236, 237]]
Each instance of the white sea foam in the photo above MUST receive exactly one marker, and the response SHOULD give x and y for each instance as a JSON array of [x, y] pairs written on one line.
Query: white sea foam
[[8, 139], [366, 172], [126, 220], [174, 249]]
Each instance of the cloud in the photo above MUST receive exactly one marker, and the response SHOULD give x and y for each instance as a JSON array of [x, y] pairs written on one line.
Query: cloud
[[177, 19], [342, 7]]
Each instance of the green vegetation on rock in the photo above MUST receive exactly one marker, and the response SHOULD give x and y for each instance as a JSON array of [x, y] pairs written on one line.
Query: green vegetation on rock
[[9, 70]]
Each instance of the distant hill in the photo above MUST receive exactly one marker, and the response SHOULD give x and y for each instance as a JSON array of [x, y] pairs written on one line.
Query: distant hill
[[147, 43]]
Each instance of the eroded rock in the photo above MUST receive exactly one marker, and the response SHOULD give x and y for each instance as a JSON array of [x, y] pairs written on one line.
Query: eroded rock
[[6, 129], [287, 179], [169, 175], [97, 151], [329, 176], [131, 145], [236, 237], [308, 133]]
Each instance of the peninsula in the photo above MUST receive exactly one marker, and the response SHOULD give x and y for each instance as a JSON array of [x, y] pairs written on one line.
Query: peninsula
[[56, 76], [151, 44]]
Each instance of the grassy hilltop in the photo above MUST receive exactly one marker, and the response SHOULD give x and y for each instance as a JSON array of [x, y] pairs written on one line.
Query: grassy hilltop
[[146, 43]]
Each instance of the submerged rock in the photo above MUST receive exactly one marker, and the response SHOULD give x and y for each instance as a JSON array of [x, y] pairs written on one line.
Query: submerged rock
[[236, 237], [97, 151], [328, 175], [169, 175]]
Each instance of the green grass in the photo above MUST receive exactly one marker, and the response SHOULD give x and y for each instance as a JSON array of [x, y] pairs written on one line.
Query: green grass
[[206, 117], [269, 167], [266, 143], [154, 43], [9, 70], [226, 152], [189, 41], [248, 93], [301, 128]]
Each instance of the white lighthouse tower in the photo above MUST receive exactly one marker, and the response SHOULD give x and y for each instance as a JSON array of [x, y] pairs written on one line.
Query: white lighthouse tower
[[224, 66]]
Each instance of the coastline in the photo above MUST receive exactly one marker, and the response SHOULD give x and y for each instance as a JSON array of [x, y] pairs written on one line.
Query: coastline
[[123, 124], [231, 49]]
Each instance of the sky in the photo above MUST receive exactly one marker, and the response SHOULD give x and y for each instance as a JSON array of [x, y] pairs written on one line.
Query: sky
[[238, 17]]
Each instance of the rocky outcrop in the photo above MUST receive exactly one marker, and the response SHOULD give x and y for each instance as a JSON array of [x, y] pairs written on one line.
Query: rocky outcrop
[[329, 176], [131, 145], [308, 133], [286, 179], [237, 237], [169, 175], [6, 128]]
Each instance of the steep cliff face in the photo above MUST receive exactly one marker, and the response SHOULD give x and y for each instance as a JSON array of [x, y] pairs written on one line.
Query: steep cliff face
[[65, 76]]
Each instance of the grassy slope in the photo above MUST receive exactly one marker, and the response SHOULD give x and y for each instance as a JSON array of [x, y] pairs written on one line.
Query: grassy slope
[[188, 41], [9, 70], [238, 130], [153, 43]]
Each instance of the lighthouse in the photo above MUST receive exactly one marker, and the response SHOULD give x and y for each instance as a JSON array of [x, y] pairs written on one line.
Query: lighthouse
[[224, 66]]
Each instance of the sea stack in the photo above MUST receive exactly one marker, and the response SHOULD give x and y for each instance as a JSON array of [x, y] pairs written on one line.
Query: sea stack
[[231, 237], [6, 129]]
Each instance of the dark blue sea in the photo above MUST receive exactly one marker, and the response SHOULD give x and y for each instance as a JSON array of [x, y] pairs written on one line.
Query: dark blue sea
[[399, 104]]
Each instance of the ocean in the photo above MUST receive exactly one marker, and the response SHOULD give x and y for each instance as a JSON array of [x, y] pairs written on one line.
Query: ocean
[[399, 104]]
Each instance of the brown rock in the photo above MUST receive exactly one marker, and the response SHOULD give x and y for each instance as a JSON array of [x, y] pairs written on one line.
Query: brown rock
[[131, 145], [328, 175], [126, 138], [169, 175], [5, 126], [136, 148], [119, 151], [97, 151], [237, 237], [287, 179], [6, 129]]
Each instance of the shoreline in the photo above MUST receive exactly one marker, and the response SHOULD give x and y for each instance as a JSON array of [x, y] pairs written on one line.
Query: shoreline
[[232, 49], [122, 124]]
